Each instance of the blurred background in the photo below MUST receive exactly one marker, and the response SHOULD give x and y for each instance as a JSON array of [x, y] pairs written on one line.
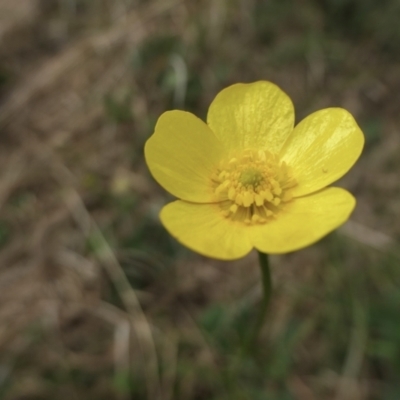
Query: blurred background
[[97, 301]]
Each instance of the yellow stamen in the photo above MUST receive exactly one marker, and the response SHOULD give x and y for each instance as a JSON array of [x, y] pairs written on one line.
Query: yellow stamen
[[231, 193], [252, 186], [258, 199], [267, 195], [248, 199], [233, 208], [239, 199], [276, 201]]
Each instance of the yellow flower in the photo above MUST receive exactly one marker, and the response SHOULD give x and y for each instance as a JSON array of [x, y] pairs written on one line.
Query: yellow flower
[[249, 178]]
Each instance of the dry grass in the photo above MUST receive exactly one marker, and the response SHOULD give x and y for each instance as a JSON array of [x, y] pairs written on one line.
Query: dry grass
[[96, 301]]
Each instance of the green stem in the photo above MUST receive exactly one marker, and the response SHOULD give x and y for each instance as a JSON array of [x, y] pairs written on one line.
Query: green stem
[[267, 290]]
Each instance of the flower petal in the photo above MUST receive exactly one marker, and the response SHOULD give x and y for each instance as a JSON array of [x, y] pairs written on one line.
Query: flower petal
[[256, 115], [304, 221], [202, 228], [182, 154], [322, 148]]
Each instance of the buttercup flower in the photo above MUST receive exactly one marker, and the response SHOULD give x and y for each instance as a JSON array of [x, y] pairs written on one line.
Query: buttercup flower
[[248, 178]]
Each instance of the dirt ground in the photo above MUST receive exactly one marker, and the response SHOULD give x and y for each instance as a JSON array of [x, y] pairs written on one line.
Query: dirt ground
[[96, 300]]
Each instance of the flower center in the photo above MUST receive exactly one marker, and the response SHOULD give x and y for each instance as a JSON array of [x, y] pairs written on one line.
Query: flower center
[[252, 186]]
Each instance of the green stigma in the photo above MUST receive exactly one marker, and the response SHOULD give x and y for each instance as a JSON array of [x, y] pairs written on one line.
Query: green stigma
[[250, 177]]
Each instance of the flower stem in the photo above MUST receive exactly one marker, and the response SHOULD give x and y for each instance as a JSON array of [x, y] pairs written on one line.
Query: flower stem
[[267, 290]]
